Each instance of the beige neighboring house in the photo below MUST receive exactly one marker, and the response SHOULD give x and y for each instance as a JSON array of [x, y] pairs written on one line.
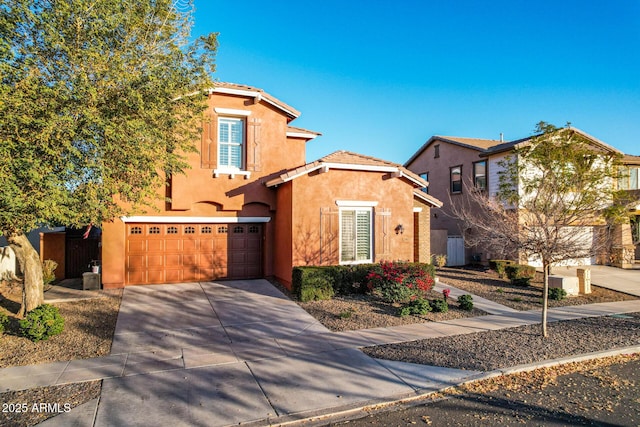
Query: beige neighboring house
[[447, 162]]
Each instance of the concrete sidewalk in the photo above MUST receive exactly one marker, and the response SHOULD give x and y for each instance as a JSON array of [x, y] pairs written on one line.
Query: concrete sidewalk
[[241, 352]]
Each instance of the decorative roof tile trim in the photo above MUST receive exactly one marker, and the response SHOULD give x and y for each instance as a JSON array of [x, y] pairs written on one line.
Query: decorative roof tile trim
[[427, 198], [345, 160], [301, 133], [256, 93]]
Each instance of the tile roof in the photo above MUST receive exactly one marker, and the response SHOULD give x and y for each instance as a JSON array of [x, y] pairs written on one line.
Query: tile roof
[[478, 143], [292, 112], [349, 160], [301, 130], [629, 159]]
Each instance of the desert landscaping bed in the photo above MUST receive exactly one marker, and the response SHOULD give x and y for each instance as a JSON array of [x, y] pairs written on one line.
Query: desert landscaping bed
[[351, 312], [488, 285], [485, 351]]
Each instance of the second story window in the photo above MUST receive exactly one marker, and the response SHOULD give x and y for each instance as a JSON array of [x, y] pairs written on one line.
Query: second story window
[[629, 178], [425, 176], [230, 142], [436, 151], [480, 175], [456, 179]]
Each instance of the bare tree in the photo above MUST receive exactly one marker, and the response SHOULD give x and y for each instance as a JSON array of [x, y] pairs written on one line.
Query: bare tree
[[555, 200]]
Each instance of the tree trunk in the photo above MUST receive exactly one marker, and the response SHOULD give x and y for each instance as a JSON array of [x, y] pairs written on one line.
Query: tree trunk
[[545, 297], [31, 267]]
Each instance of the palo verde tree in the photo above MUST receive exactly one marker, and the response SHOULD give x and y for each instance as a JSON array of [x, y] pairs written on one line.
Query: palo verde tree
[[556, 200], [99, 100]]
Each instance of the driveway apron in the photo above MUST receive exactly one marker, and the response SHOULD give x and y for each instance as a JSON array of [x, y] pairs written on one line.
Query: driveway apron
[[220, 353]]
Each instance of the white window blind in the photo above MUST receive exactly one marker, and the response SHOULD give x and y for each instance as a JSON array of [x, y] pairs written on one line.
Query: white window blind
[[355, 237], [230, 142]]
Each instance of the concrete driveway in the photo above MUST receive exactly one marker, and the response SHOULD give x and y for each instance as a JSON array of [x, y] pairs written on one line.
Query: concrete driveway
[[618, 279], [235, 352]]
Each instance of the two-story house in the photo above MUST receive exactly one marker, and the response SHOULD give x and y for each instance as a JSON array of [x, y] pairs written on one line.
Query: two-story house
[[249, 206], [454, 165]]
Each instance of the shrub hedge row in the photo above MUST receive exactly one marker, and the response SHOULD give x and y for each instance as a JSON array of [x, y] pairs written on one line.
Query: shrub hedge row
[[313, 283]]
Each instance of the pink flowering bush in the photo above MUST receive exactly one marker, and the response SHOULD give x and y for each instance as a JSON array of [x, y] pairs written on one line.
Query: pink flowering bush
[[395, 281]]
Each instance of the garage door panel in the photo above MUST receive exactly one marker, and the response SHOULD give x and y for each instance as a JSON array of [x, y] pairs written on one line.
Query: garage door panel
[[155, 261], [156, 276], [137, 262], [207, 245], [166, 253], [155, 245], [173, 276], [137, 246], [173, 260], [190, 260], [190, 245], [172, 245], [136, 276]]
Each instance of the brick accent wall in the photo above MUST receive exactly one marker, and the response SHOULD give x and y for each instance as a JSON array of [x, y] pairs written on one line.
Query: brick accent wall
[[421, 233]]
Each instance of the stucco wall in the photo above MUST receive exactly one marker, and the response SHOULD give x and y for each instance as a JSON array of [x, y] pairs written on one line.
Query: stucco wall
[[439, 179], [198, 193], [315, 225]]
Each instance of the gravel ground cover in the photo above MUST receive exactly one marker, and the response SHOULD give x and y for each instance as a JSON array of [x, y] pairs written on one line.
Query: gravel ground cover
[[488, 285], [485, 351], [88, 332], [364, 311]]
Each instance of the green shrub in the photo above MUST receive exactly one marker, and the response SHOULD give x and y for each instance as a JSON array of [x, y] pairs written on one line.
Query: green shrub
[[465, 302], [499, 265], [48, 268], [439, 306], [4, 321], [41, 323], [345, 279], [557, 294], [419, 306], [315, 289], [400, 281], [520, 274]]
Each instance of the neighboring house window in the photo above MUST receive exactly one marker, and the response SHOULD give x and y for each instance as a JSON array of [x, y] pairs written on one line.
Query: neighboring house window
[[480, 175], [355, 235], [436, 151], [425, 176], [456, 179], [629, 179], [230, 142]]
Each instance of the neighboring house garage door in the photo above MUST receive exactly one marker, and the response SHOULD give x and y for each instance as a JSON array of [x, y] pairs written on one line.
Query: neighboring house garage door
[[170, 253]]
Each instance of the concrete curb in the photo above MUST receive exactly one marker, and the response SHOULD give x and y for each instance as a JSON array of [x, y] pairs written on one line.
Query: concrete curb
[[354, 412]]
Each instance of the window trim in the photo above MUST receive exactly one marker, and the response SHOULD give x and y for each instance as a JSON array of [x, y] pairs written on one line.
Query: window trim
[[486, 175], [451, 179], [355, 209]]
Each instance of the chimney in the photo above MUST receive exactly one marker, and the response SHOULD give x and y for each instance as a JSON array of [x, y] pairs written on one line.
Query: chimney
[[501, 137]]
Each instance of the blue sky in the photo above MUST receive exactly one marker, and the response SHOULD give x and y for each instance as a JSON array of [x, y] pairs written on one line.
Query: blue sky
[[381, 77]]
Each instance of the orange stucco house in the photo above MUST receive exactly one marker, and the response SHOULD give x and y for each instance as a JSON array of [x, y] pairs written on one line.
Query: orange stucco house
[[251, 207]]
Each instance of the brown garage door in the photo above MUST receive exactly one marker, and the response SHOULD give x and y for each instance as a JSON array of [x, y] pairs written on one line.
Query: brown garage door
[[170, 253]]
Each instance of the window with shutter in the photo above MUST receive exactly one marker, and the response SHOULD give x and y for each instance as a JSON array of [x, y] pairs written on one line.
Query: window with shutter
[[355, 235]]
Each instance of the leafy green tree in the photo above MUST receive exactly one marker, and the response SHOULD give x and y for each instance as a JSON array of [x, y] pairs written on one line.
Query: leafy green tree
[[100, 100], [552, 188]]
